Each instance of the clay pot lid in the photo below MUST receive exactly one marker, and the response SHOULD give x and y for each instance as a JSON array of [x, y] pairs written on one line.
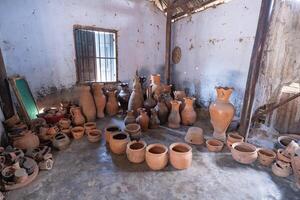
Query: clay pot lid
[[194, 135], [180, 148]]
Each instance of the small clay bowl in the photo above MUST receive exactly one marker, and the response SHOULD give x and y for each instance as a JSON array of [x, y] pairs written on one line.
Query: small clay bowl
[[89, 126], [214, 145], [135, 151], [94, 135], [180, 155], [266, 156], [77, 132], [283, 157]]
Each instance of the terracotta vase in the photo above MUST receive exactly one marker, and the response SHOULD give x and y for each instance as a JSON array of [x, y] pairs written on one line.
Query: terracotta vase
[[266, 156], [154, 120], [87, 103], [61, 141], [143, 119], [136, 99], [156, 156], [112, 106], [77, 132], [243, 152], [118, 143], [149, 103], [162, 111], [174, 116], [123, 96], [135, 151], [188, 114], [221, 112], [133, 130], [179, 96], [109, 131], [77, 117], [180, 155], [130, 118], [99, 98], [214, 145], [156, 85], [233, 137], [27, 140], [94, 135]]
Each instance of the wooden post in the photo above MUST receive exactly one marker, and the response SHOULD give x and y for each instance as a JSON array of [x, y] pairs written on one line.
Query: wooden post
[[6, 102], [168, 46], [255, 62]]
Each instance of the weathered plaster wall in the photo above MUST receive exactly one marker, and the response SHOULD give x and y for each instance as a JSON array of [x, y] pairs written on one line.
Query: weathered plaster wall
[[37, 38], [216, 46]]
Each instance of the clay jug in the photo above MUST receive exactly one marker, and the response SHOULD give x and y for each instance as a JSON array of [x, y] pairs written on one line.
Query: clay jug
[[136, 98], [27, 140], [123, 96], [162, 111], [112, 106], [130, 118], [179, 95], [166, 95], [143, 119], [156, 85], [149, 103], [221, 112], [188, 114], [100, 98], [87, 103], [174, 116], [154, 121], [77, 117]]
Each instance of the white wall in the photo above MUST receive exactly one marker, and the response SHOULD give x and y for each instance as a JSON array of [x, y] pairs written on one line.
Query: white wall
[[36, 37], [216, 48]]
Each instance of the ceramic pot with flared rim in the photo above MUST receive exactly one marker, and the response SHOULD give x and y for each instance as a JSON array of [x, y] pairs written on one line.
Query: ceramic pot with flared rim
[[156, 156], [266, 156], [135, 151], [133, 130], [94, 135], [87, 103], [64, 123], [232, 138], [174, 116], [118, 143], [244, 153], [61, 141], [281, 169], [109, 131], [99, 98], [188, 113], [214, 145], [89, 126], [130, 117], [77, 132], [180, 155]]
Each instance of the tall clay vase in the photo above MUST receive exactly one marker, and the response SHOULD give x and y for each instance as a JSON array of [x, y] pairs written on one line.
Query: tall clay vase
[[143, 119], [100, 98], [136, 99], [162, 111], [149, 103], [87, 104], [123, 96], [221, 112], [77, 117], [174, 116], [112, 106], [156, 85], [188, 114]]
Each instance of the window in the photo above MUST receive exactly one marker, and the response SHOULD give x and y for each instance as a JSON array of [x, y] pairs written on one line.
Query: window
[[96, 54]]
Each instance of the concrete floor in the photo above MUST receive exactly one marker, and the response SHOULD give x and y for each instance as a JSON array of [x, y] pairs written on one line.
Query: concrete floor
[[90, 171]]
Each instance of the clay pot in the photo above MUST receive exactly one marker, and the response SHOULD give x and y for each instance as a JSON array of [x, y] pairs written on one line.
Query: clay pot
[[284, 141], [188, 114], [118, 143], [123, 96], [143, 119], [21, 175], [214, 145], [8, 174], [135, 151], [89, 126], [232, 138], [221, 112], [281, 169], [109, 131], [296, 166], [281, 156], [180, 155], [99, 98], [67, 131], [47, 133], [154, 121], [77, 117], [243, 152], [87, 103], [133, 130], [156, 156], [61, 141], [35, 124], [194, 135], [64, 123], [179, 95], [291, 148], [174, 116], [26, 141], [149, 103], [94, 135], [130, 118], [77, 132], [136, 98], [162, 111], [12, 121], [112, 106], [155, 85], [266, 156]]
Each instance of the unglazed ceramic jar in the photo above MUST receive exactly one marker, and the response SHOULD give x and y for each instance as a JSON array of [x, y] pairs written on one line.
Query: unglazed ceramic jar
[[266, 156], [174, 116], [134, 131], [118, 143], [77, 132], [281, 169], [244, 153], [214, 145], [64, 123], [89, 126], [188, 114], [194, 135], [180, 155], [94, 135], [27, 140], [136, 151], [232, 138], [156, 156], [109, 131]]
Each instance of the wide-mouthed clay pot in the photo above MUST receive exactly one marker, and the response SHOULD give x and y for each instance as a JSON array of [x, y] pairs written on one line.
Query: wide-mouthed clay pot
[[134, 131], [284, 141], [232, 138], [67, 131], [266, 156], [281, 169], [180, 155], [135, 151], [243, 152], [109, 131], [194, 135], [94, 135], [77, 132], [118, 143], [61, 141], [214, 145], [156, 156], [89, 126], [283, 157]]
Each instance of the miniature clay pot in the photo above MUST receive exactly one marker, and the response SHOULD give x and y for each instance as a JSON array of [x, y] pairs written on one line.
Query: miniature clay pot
[[130, 117], [135, 151], [118, 143], [134, 131], [232, 138], [174, 116], [77, 117], [61, 141], [281, 169], [281, 156], [266, 156], [188, 114], [156, 156], [87, 103], [194, 135], [26, 141], [64, 123], [94, 135], [109, 131], [214, 145], [20, 175], [89, 126], [180, 155], [243, 152], [77, 132], [143, 119], [99, 98]]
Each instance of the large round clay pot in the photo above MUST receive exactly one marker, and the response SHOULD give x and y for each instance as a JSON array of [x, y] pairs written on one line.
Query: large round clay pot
[[77, 117], [174, 116], [188, 114], [180, 155], [155, 85], [149, 103], [214, 145], [133, 130], [143, 119], [243, 152], [112, 106], [100, 98], [135, 151], [154, 120], [232, 138], [266, 156], [61, 141], [87, 103], [109, 131], [94, 135], [221, 112], [27, 140], [156, 156], [123, 96], [77, 132], [130, 118], [118, 143], [136, 98]]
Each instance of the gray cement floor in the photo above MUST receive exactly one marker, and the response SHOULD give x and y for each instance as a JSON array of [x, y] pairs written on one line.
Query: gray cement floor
[[90, 171]]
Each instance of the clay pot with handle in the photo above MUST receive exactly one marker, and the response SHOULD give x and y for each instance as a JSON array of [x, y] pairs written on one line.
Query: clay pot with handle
[[143, 119], [77, 117], [188, 114], [87, 103], [174, 116], [99, 98]]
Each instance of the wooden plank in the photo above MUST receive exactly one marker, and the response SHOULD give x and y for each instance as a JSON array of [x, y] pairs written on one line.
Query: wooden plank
[[168, 47]]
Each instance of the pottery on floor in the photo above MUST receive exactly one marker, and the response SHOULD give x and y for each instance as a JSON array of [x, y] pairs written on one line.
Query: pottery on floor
[[89, 126], [232, 138], [143, 119], [21, 175], [99, 98], [155, 85], [130, 117], [174, 116], [291, 148], [87, 103], [135, 151], [266, 156], [188, 114], [179, 95], [243, 152], [194, 135], [61, 141], [162, 110], [94, 135], [283, 157], [149, 103], [136, 98], [123, 96], [180, 155], [118, 143], [133, 130], [109, 131], [27, 140], [77, 132], [214, 145], [156, 156], [112, 105], [67, 131], [284, 141], [281, 169], [77, 116], [64, 123], [296, 166], [154, 120]]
